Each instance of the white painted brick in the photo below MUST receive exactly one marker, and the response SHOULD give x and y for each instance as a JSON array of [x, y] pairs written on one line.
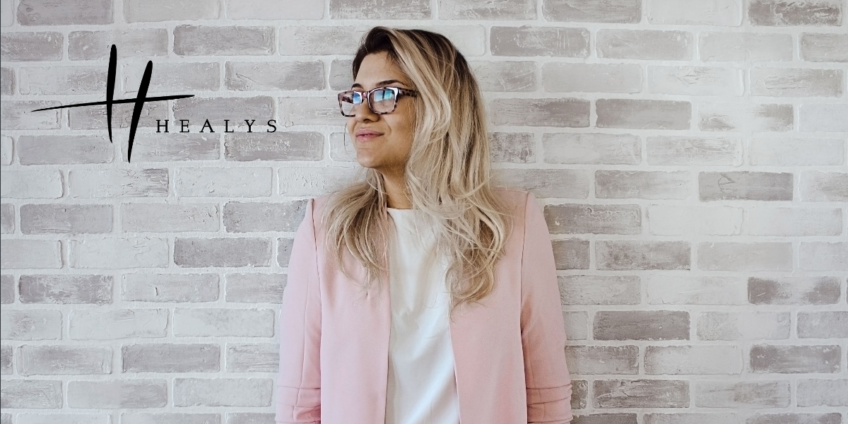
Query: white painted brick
[[819, 392], [822, 256], [676, 150], [37, 254], [62, 80], [7, 354], [98, 324], [167, 218], [48, 149], [168, 10], [614, 11], [80, 12], [592, 148], [6, 145], [695, 81], [223, 322], [743, 326], [166, 358], [823, 325], [174, 147], [253, 357], [147, 287], [602, 78], [813, 13], [223, 392], [288, 146], [31, 394], [66, 289], [563, 183], [695, 12], [299, 181], [275, 9], [744, 47], [780, 82], [824, 47], [644, 44], [64, 418], [589, 360], [823, 117], [735, 256], [595, 107], [468, 38], [794, 222], [222, 252], [170, 418], [693, 418], [539, 41], [323, 40], [693, 360], [224, 182], [642, 184], [819, 186], [694, 220], [643, 393], [675, 290], [599, 290], [510, 76], [64, 360], [31, 46], [720, 116], [7, 10], [7, 288], [117, 394], [255, 288], [772, 151], [794, 290], [267, 76], [576, 325], [753, 394], [85, 183], [144, 43], [119, 253], [31, 324], [41, 184], [250, 418], [173, 77]]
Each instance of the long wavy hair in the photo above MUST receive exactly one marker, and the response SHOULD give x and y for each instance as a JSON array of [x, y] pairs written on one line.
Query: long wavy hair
[[448, 173]]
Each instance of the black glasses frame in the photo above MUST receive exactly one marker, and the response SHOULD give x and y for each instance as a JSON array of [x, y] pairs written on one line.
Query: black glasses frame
[[398, 92]]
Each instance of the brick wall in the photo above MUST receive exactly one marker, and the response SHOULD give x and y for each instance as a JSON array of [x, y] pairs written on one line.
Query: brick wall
[[690, 156]]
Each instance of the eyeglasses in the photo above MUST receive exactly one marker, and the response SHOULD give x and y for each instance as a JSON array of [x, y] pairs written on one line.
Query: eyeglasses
[[381, 100]]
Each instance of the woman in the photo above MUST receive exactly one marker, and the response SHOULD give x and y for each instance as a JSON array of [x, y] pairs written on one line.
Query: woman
[[377, 324]]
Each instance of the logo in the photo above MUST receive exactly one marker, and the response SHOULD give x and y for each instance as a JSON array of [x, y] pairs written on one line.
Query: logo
[[139, 101]]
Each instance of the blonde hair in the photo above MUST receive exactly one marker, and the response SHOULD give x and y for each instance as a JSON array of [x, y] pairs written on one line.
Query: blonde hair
[[448, 172]]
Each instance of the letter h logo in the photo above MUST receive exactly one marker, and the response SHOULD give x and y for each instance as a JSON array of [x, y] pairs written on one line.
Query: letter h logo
[[139, 100]]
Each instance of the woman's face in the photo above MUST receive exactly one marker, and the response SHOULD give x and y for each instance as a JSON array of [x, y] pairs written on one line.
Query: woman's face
[[388, 151]]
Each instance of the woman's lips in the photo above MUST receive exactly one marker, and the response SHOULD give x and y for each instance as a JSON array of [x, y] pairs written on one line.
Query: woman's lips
[[367, 137]]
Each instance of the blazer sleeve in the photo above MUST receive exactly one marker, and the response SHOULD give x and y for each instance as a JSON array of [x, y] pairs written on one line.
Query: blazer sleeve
[[542, 328], [299, 379]]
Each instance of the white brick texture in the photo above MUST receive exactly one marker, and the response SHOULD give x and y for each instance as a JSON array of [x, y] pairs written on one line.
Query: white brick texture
[[691, 158]]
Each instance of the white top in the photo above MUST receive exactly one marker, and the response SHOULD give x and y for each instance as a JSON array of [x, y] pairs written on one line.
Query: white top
[[421, 387]]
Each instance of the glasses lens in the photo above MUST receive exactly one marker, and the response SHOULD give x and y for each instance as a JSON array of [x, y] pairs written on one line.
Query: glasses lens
[[383, 100], [348, 99]]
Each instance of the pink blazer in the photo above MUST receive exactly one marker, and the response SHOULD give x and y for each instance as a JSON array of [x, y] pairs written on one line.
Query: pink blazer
[[509, 352]]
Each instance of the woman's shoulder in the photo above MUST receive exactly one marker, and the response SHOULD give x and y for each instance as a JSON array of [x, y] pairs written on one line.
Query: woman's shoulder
[[514, 198], [511, 192]]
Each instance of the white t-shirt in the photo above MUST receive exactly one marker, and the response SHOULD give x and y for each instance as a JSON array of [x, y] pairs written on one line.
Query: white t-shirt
[[421, 385]]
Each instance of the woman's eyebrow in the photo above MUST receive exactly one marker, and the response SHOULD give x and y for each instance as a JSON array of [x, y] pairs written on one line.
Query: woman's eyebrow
[[381, 83]]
